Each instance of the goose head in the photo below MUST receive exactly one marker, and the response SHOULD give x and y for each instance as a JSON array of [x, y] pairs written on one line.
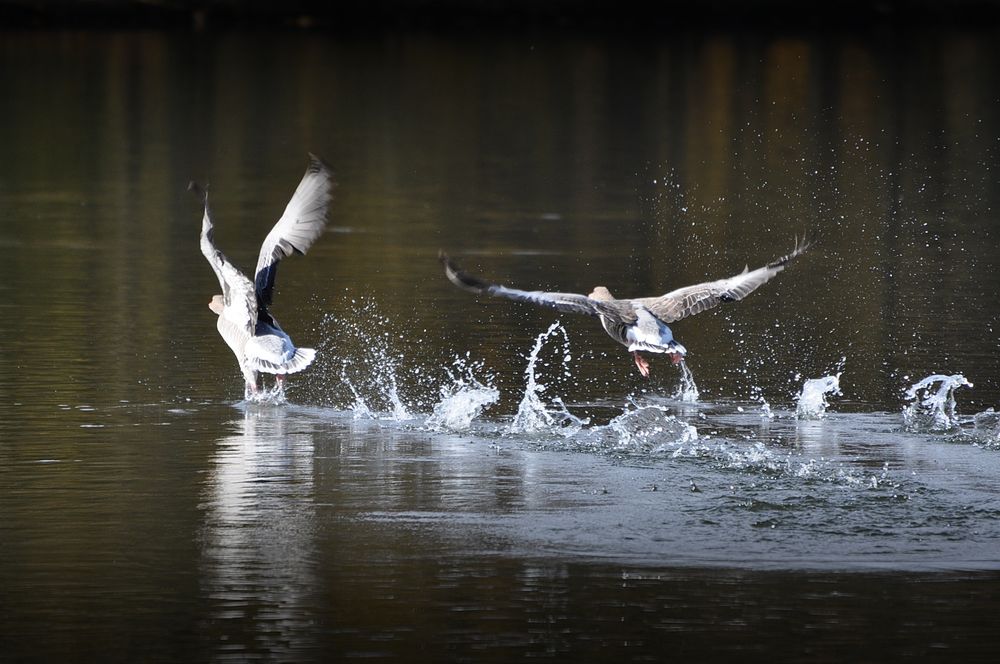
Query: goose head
[[601, 293]]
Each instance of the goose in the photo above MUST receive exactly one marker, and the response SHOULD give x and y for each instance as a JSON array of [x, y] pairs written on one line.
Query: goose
[[244, 318], [639, 324]]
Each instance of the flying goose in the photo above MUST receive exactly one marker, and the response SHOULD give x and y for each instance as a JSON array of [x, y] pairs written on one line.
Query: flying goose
[[245, 322], [639, 324]]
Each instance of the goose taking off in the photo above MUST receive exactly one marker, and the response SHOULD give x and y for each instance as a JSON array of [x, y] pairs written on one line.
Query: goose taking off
[[639, 324], [245, 322]]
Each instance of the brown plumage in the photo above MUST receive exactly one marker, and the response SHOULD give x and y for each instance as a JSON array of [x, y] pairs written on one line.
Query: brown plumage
[[640, 324]]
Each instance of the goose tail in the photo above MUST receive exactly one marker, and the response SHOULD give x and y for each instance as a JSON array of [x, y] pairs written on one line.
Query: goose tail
[[301, 359]]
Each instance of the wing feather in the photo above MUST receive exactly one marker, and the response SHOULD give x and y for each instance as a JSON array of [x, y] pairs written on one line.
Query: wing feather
[[211, 253], [692, 300], [238, 295], [565, 302], [301, 223]]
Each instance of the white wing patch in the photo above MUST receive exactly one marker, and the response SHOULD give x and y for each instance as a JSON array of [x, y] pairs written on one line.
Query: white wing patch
[[649, 333]]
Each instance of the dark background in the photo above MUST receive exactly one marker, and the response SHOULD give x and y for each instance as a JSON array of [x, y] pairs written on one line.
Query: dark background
[[593, 14]]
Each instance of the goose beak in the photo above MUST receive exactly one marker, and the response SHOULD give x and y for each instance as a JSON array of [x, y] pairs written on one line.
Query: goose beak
[[216, 305], [676, 358]]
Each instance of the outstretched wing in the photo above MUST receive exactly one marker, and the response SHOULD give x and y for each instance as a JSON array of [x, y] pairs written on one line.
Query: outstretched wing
[[237, 290], [565, 302], [302, 222], [692, 300], [214, 257]]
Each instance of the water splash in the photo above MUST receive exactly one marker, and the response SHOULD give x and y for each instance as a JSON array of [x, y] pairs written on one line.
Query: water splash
[[533, 414], [464, 397], [382, 385], [687, 391], [812, 402], [273, 396], [359, 406], [986, 429], [933, 409], [757, 394], [650, 429], [371, 367]]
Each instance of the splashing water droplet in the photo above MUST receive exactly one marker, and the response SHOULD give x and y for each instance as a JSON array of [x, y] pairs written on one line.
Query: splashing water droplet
[[987, 428], [464, 398], [370, 365], [273, 396], [650, 429], [533, 414], [812, 403], [757, 394], [687, 391], [933, 410], [455, 412], [359, 407]]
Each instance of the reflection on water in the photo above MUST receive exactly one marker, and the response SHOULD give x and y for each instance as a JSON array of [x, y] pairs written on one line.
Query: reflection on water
[[399, 505], [258, 544]]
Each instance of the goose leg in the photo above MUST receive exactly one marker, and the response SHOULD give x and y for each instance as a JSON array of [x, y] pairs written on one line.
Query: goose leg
[[642, 363], [250, 383]]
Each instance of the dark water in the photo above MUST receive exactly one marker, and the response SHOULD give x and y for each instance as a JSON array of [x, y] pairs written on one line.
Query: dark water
[[146, 513]]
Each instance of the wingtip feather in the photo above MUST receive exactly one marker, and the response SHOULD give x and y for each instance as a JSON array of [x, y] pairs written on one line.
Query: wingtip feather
[[198, 190], [319, 166], [458, 277], [801, 246]]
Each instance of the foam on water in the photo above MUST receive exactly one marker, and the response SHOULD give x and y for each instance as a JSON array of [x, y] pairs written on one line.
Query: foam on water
[[533, 413], [812, 402], [933, 407]]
